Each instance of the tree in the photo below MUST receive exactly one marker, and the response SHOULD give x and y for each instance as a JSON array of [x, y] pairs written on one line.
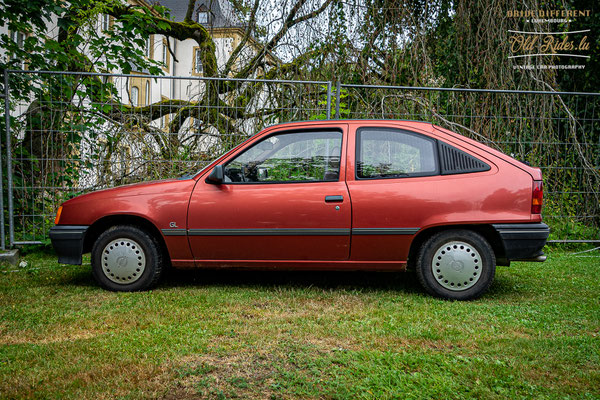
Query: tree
[[122, 48], [73, 126]]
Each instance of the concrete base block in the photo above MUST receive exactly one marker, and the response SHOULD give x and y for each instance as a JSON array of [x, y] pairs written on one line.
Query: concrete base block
[[10, 256]]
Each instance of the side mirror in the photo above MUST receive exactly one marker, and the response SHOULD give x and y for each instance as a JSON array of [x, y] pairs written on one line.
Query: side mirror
[[216, 176]]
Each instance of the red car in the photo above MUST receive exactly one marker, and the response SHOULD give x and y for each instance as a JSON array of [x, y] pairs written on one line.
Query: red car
[[335, 195]]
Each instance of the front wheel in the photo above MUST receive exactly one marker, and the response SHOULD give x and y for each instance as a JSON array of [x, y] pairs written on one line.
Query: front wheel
[[456, 265], [126, 259]]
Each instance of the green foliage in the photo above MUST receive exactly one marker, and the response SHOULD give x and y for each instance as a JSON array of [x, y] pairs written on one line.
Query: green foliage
[[121, 46], [344, 111], [295, 169], [51, 133]]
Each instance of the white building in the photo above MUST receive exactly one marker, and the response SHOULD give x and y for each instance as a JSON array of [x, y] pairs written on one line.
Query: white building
[[179, 59], [218, 16]]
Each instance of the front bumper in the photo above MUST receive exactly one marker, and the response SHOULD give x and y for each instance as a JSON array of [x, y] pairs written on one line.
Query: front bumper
[[523, 242], [67, 241]]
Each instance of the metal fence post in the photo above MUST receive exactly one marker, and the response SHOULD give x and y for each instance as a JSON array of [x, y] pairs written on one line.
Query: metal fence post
[[338, 86], [6, 117], [329, 100], [11, 228]]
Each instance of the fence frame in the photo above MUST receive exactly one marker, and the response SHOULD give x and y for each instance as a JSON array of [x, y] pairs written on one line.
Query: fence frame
[[329, 104], [6, 114]]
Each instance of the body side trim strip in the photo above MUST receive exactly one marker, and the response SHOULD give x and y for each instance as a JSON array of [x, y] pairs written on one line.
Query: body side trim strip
[[384, 231], [269, 232], [174, 232], [524, 231], [290, 232]]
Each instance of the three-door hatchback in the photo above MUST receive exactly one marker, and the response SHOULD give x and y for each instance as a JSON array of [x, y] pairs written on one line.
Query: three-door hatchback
[[335, 195]]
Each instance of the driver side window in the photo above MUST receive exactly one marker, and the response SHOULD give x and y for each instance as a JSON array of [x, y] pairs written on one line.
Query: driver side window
[[289, 157]]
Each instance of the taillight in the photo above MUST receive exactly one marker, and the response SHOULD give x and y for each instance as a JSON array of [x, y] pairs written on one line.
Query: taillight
[[537, 198], [58, 215]]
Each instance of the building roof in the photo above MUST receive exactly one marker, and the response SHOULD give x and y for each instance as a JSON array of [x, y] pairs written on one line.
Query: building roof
[[222, 13]]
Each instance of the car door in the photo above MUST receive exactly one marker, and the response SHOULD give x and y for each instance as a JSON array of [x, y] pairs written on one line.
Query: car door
[[283, 197]]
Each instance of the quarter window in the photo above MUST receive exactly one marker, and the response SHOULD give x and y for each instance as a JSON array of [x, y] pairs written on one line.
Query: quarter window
[[289, 157], [394, 153]]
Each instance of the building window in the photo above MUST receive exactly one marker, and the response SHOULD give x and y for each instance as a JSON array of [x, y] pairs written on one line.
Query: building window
[[19, 39], [135, 93], [198, 67], [149, 47], [203, 17], [105, 22], [165, 55], [147, 92]]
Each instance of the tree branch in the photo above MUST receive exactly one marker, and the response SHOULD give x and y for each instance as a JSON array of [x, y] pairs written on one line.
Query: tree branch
[[240, 46], [171, 51], [290, 21], [190, 11]]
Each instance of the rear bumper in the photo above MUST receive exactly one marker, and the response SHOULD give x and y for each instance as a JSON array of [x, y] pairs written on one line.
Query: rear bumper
[[523, 242], [67, 241]]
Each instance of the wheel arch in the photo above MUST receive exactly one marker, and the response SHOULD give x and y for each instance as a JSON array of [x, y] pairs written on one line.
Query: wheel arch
[[486, 230], [102, 224]]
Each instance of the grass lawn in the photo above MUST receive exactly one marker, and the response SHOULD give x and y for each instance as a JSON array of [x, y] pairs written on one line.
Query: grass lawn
[[232, 334]]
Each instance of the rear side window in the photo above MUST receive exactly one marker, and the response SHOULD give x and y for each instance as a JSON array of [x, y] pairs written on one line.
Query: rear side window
[[394, 153]]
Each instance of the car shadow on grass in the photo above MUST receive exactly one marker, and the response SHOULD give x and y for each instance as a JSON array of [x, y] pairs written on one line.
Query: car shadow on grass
[[326, 280], [364, 281], [506, 286], [77, 275]]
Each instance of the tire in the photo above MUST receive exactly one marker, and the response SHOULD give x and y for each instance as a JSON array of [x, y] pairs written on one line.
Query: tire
[[126, 259], [456, 265]]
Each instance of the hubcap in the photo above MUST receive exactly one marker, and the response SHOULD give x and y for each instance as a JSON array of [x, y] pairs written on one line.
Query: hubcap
[[456, 266], [123, 261]]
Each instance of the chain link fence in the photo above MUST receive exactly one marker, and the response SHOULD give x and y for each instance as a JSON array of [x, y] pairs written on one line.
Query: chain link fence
[[71, 133], [558, 132], [68, 133]]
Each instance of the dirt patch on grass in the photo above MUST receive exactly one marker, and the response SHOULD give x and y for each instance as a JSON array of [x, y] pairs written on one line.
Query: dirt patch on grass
[[325, 344], [569, 382], [55, 337], [241, 375]]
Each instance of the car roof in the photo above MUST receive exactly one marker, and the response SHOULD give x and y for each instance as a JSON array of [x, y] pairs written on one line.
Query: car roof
[[348, 121]]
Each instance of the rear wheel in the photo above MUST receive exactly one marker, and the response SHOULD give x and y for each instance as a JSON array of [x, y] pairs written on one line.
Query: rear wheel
[[126, 258], [456, 265]]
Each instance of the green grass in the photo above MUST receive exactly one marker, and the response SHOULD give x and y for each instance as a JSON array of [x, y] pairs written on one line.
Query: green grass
[[232, 334]]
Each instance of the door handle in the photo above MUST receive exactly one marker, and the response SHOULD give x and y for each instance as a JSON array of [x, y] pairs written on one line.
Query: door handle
[[334, 199]]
